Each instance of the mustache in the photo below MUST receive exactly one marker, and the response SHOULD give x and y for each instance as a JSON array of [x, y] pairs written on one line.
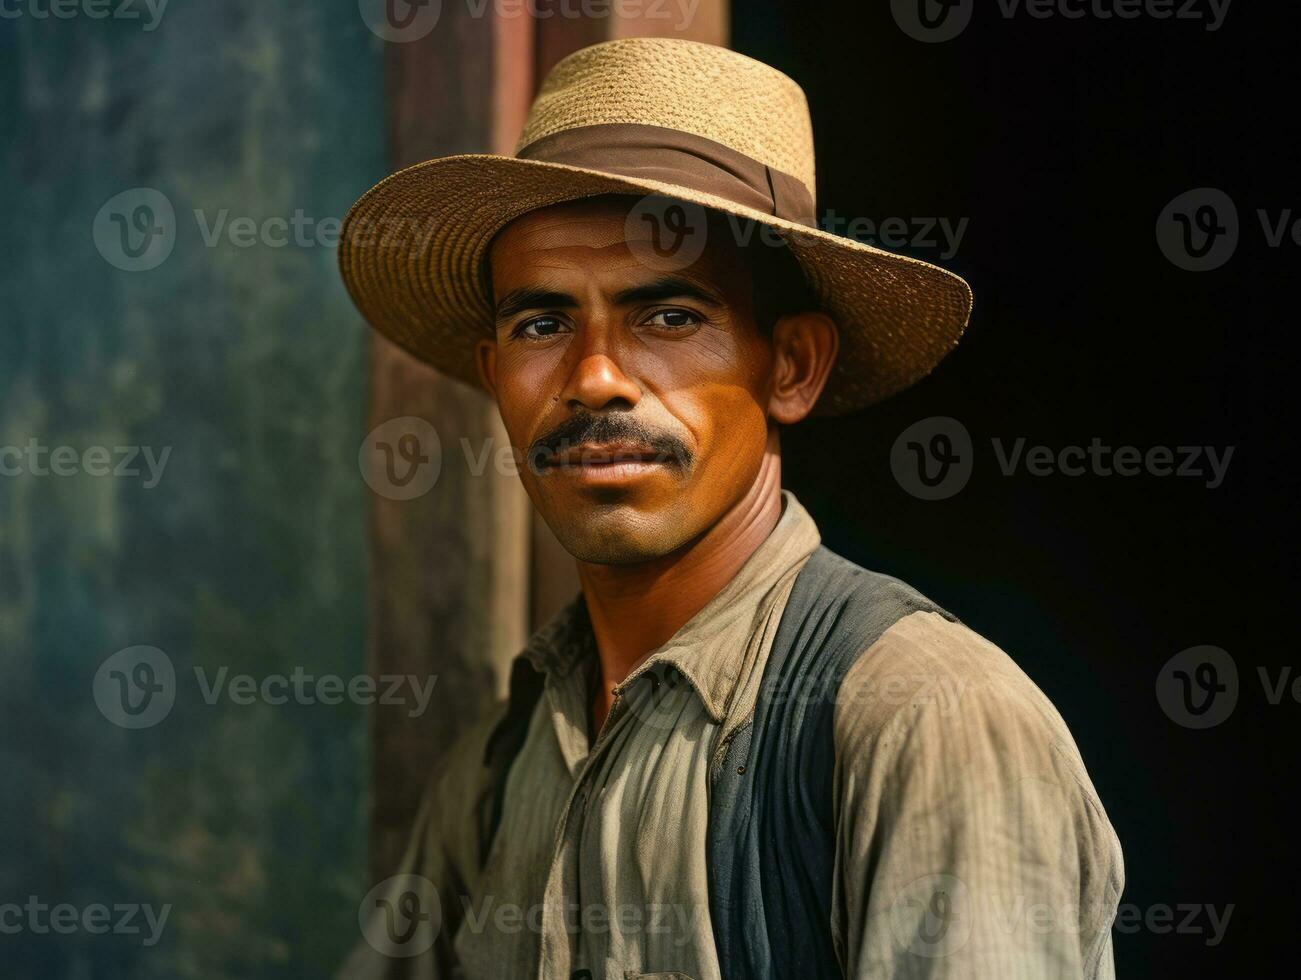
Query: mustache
[[589, 427]]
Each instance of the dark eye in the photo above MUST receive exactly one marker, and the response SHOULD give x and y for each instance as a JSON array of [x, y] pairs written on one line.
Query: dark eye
[[674, 319], [540, 326]]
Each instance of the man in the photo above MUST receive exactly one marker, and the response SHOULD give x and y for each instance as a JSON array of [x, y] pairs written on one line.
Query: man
[[735, 754]]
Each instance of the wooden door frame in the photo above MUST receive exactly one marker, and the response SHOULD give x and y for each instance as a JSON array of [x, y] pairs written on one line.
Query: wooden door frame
[[460, 575]]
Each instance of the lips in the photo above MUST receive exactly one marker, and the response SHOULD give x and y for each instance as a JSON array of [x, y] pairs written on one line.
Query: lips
[[606, 449], [598, 456]]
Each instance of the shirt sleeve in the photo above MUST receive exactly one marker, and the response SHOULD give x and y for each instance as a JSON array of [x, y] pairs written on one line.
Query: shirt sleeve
[[969, 840], [440, 866]]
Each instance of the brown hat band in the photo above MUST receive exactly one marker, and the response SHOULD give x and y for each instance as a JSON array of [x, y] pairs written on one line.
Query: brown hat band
[[674, 157]]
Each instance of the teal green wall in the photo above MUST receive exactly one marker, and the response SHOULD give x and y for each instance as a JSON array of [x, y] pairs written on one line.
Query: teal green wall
[[249, 553]]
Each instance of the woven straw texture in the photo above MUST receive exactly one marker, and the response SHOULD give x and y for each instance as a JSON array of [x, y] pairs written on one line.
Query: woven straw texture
[[683, 85], [413, 249]]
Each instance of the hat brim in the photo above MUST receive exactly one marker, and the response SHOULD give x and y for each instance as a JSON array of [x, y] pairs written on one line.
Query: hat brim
[[413, 255]]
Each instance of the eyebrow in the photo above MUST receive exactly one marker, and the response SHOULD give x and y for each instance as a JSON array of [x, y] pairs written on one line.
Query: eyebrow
[[667, 287], [658, 290], [532, 298]]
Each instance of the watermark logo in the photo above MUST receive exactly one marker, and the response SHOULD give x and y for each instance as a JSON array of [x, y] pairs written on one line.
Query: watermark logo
[[96, 919], [936, 915], [932, 916], [932, 21], [1198, 687], [135, 231], [1184, 919], [300, 230], [1210, 464], [932, 459], [402, 458], [674, 924], [665, 234], [300, 687], [151, 11], [935, 21], [940, 234], [401, 916], [1198, 231], [668, 235], [400, 21], [37, 459], [135, 687]]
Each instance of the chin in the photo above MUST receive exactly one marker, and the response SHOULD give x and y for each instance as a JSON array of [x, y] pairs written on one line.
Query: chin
[[620, 537]]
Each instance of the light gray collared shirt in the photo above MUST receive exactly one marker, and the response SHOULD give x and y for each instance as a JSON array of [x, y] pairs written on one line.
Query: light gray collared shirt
[[969, 840]]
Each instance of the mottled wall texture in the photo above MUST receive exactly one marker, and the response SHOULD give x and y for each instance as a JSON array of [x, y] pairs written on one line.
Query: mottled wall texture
[[206, 374]]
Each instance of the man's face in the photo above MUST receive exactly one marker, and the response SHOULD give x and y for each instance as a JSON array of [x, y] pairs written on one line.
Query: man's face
[[639, 396]]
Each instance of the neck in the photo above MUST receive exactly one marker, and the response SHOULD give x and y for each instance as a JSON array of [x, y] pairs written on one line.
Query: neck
[[636, 608]]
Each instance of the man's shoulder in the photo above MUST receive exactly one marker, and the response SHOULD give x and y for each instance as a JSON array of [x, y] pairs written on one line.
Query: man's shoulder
[[951, 764], [928, 690], [838, 609], [896, 649], [460, 772], [928, 660], [859, 599]]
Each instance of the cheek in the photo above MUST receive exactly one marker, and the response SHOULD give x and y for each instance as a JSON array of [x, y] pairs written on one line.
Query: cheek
[[713, 367], [730, 426], [722, 398], [524, 395], [740, 422]]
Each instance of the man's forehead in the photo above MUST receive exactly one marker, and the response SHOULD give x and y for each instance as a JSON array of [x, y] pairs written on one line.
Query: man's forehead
[[596, 229], [598, 223]]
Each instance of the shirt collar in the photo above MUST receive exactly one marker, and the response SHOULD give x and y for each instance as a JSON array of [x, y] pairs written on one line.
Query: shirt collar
[[563, 642], [710, 649]]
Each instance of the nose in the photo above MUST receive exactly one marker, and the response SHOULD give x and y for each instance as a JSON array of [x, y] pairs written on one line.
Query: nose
[[597, 381]]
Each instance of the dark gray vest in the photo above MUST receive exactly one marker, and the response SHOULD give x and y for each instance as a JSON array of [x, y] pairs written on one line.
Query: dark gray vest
[[771, 842]]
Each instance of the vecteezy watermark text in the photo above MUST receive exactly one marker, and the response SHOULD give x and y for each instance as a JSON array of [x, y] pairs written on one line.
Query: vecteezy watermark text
[[940, 234], [680, 922], [402, 21], [933, 459], [936, 21], [137, 229], [150, 10], [37, 459], [137, 686], [1207, 463], [936, 915], [96, 919], [300, 687]]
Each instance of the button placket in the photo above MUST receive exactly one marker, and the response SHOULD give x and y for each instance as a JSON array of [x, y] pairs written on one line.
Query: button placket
[[567, 832]]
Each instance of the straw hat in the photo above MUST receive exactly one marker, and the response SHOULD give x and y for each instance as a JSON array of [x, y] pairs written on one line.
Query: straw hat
[[644, 116]]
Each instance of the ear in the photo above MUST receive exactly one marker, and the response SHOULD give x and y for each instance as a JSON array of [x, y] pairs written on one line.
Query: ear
[[804, 348], [485, 359]]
